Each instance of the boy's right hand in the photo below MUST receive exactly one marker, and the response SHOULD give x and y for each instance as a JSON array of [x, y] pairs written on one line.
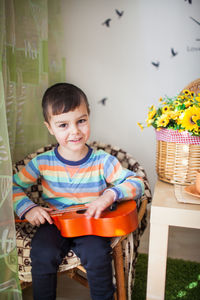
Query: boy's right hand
[[38, 215]]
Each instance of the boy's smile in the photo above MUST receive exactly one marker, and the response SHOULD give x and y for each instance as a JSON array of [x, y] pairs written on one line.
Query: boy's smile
[[72, 131]]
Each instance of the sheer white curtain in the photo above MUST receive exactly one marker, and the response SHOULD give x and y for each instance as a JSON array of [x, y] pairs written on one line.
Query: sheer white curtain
[[30, 60]]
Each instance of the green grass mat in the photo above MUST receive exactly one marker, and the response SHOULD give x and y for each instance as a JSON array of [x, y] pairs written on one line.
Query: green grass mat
[[182, 279]]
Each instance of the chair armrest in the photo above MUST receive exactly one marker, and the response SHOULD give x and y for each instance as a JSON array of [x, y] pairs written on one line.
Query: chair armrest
[[140, 216], [142, 210]]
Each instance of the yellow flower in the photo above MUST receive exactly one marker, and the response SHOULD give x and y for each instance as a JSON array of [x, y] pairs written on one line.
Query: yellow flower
[[196, 132], [165, 109], [152, 112], [161, 99], [197, 99], [189, 118], [149, 122], [173, 115], [186, 92], [163, 120], [179, 119], [140, 125], [176, 102], [196, 117], [189, 103], [180, 97]]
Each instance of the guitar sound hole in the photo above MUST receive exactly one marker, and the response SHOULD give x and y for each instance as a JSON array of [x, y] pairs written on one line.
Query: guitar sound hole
[[81, 211]]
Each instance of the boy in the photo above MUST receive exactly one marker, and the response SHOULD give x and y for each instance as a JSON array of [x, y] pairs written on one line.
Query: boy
[[72, 173]]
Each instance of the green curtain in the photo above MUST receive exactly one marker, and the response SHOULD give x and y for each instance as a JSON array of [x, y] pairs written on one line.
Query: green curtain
[[30, 60]]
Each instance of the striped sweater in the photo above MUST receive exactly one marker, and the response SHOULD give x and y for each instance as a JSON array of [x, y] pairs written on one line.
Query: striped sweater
[[67, 183]]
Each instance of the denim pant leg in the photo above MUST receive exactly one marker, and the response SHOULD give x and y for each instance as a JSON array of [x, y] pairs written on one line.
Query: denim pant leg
[[48, 249], [95, 255]]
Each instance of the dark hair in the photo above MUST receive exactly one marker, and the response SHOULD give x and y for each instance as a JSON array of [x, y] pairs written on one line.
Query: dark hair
[[62, 98]]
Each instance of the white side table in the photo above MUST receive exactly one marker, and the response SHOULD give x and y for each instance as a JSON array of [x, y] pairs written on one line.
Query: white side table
[[165, 211]]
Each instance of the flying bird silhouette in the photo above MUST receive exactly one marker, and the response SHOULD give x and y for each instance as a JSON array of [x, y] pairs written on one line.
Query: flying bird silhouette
[[195, 20], [119, 13], [156, 64], [189, 1], [103, 101], [173, 52], [107, 22]]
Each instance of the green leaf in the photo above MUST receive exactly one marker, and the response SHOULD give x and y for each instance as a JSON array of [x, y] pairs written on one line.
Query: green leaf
[[181, 107], [159, 112]]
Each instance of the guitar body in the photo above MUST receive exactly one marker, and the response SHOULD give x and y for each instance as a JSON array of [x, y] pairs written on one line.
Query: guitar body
[[118, 222]]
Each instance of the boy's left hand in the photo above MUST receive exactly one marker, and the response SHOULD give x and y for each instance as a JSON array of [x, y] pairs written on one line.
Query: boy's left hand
[[96, 207]]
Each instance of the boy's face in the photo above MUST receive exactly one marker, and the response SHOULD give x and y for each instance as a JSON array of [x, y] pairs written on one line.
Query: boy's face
[[72, 131]]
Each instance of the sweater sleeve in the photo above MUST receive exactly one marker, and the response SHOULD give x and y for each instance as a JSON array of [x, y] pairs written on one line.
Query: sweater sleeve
[[125, 183], [26, 177]]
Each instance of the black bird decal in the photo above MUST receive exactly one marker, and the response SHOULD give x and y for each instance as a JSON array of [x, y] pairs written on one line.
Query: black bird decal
[[195, 20], [119, 13], [173, 52], [107, 22], [103, 101], [156, 64], [189, 1]]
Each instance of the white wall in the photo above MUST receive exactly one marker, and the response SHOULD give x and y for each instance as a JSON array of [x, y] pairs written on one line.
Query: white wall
[[115, 62]]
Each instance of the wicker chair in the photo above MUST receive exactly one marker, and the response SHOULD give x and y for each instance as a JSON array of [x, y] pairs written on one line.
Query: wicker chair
[[193, 86], [125, 249]]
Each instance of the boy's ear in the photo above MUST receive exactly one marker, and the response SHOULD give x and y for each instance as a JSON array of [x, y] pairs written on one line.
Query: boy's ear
[[49, 128]]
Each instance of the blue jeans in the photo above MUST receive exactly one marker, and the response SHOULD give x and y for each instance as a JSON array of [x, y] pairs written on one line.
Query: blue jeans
[[48, 250]]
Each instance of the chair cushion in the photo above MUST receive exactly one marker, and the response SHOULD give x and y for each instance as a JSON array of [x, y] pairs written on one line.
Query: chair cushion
[[24, 234]]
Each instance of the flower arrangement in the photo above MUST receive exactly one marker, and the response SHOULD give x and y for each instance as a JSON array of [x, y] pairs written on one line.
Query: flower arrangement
[[180, 113]]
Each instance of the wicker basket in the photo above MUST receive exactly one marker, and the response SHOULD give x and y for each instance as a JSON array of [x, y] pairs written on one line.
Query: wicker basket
[[178, 154], [177, 157]]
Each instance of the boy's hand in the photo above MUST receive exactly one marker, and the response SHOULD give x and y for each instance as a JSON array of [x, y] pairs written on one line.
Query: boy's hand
[[38, 215], [96, 207]]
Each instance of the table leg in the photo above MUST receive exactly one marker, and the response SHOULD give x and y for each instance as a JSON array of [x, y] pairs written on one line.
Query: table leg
[[157, 261]]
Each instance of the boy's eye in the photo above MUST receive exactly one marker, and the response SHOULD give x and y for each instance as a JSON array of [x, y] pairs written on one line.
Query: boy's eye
[[82, 121], [63, 125]]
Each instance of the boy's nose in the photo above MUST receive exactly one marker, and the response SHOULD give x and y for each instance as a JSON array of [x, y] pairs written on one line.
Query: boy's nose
[[74, 129]]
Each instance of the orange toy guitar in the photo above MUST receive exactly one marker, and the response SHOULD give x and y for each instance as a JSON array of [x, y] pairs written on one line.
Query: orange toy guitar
[[72, 222]]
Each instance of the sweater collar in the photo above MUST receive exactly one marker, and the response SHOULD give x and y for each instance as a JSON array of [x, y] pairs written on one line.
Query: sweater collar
[[70, 162]]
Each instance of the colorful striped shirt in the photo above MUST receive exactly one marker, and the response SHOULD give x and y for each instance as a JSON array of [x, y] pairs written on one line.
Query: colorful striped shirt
[[66, 183]]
